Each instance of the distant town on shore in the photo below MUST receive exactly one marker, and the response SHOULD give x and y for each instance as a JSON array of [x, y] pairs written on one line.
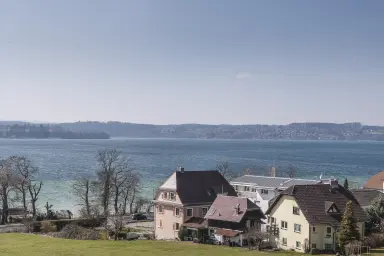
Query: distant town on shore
[[103, 130]]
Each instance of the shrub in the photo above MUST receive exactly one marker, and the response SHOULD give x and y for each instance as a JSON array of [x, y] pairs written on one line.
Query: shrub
[[374, 240], [75, 232], [182, 233], [149, 236], [47, 227]]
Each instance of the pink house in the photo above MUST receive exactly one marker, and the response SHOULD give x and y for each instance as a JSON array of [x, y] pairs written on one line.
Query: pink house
[[184, 199]]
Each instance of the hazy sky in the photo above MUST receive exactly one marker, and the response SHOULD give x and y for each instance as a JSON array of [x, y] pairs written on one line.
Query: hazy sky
[[194, 61]]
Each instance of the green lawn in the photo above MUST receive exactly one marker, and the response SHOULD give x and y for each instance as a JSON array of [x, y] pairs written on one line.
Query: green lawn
[[33, 245]]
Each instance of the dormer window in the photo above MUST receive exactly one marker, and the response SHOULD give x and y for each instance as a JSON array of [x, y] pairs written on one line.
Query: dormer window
[[165, 195]]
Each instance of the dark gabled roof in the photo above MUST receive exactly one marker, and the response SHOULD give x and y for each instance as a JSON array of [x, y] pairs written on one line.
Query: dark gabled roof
[[232, 209], [366, 196], [314, 199], [201, 187]]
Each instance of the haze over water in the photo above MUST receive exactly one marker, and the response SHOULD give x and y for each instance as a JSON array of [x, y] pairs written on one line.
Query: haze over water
[[61, 161]]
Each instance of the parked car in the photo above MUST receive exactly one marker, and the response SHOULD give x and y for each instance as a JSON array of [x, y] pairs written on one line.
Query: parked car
[[139, 216]]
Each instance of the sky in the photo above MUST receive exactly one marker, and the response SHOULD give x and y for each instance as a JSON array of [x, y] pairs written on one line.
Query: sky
[[192, 61]]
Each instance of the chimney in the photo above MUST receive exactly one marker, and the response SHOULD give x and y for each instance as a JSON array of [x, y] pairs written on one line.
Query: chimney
[[273, 171]]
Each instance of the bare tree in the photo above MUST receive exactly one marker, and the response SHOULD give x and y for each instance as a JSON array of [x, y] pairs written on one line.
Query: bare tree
[[139, 203], [34, 191], [82, 189], [109, 161], [8, 179], [255, 237], [134, 192], [122, 176], [225, 170], [22, 167]]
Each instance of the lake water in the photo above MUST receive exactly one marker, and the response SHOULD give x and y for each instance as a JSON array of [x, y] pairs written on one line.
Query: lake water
[[61, 161]]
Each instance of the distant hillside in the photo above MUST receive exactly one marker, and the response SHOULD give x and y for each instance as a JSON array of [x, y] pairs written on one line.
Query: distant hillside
[[294, 131]]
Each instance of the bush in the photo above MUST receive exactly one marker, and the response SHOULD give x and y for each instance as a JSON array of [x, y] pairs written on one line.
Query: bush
[[75, 232], [149, 236], [374, 240], [47, 227], [182, 233]]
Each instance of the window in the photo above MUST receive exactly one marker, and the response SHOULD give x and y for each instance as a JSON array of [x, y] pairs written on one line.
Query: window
[[328, 247], [296, 210], [298, 245], [204, 211], [329, 231], [246, 188], [165, 195], [264, 191], [189, 212], [254, 190], [313, 246], [236, 188], [252, 223], [171, 196], [297, 228], [160, 223], [314, 229], [284, 224], [176, 226], [160, 209], [177, 212], [273, 220], [285, 242]]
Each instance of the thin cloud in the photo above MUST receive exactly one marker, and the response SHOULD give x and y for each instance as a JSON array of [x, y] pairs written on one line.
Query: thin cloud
[[243, 75]]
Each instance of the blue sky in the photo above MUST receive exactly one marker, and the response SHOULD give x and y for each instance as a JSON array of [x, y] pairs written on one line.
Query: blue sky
[[171, 61]]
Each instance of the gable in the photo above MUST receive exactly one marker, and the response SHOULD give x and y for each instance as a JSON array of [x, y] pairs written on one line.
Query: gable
[[170, 183]]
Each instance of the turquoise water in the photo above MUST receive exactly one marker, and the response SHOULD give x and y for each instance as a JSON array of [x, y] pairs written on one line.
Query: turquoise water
[[61, 161]]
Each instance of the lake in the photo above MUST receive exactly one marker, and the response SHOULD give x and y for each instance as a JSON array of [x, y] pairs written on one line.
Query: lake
[[61, 161]]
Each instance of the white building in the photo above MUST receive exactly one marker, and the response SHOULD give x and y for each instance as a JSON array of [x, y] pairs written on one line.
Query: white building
[[261, 189]]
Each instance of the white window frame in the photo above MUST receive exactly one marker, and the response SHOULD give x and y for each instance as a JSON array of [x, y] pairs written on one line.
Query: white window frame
[[285, 227], [191, 212], [253, 189], [326, 231], [330, 247], [297, 230], [202, 211], [313, 246], [165, 195], [177, 215], [264, 191], [246, 188], [298, 243], [160, 207], [160, 224], [293, 210], [175, 226], [286, 241]]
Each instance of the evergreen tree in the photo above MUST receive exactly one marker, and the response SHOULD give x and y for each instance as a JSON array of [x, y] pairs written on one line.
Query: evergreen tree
[[375, 214], [348, 229], [346, 183]]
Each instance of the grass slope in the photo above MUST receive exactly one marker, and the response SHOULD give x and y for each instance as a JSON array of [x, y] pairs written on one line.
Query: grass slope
[[33, 245]]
